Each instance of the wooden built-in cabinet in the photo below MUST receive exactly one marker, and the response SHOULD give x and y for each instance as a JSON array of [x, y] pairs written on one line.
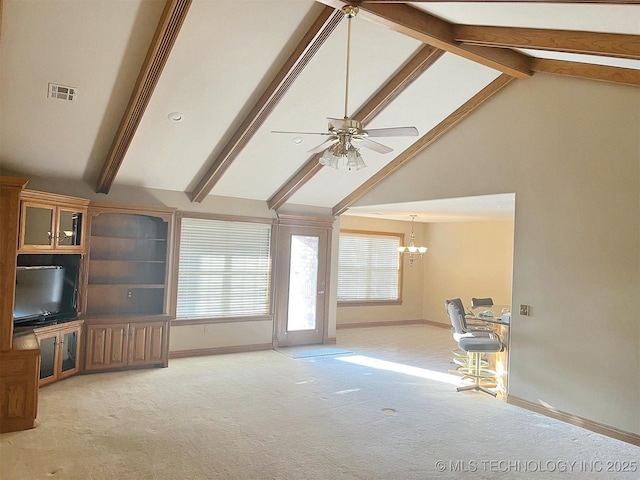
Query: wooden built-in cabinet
[[128, 263], [19, 369], [127, 278], [59, 350], [51, 223], [112, 345], [20, 357]]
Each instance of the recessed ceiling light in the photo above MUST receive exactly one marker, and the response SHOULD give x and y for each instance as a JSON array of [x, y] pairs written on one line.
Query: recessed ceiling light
[[175, 116], [297, 140]]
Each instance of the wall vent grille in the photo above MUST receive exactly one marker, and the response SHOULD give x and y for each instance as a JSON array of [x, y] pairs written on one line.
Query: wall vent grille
[[62, 92]]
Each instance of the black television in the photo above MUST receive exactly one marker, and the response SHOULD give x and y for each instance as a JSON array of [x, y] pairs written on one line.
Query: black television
[[44, 295]]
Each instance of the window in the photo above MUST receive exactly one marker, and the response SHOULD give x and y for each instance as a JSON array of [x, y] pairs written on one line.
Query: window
[[224, 269], [369, 267]]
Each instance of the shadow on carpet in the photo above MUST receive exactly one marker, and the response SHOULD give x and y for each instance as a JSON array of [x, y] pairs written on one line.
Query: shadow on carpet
[[311, 351]]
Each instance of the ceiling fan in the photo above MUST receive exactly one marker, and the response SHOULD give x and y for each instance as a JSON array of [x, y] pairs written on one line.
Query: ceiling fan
[[343, 133]]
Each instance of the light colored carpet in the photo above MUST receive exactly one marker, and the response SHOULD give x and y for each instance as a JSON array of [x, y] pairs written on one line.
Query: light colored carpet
[[311, 351], [264, 415]]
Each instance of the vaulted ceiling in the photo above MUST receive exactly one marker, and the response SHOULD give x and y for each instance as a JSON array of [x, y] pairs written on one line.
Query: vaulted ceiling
[[233, 71]]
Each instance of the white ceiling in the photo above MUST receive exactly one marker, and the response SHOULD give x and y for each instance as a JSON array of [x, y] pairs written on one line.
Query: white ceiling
[[484, 208], [226, 54]]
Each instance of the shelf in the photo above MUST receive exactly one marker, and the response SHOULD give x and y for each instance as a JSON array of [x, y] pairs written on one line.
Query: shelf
[[127, 249], [127, 263], [124, 237], [127, 272], [125, 260], [115, 299], [126, 225], [129, 286]]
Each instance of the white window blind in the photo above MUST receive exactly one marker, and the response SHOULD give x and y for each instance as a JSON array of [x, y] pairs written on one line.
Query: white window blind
[[368, 267], [224, 269]]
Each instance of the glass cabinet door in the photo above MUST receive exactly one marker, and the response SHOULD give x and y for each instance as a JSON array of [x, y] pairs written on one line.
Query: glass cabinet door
[[69, 228], [69, 350], [48, 357], [38, 222]]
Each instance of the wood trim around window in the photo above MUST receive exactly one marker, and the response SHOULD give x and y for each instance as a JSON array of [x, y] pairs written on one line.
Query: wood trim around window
[[175, 263]]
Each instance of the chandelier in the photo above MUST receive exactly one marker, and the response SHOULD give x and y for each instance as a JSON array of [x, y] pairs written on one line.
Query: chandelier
[[412, 250]]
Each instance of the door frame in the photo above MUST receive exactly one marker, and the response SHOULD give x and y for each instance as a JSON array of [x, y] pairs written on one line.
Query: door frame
[[286, 226]]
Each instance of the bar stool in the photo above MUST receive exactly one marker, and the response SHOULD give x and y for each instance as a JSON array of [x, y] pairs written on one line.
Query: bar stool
[[474, 344]]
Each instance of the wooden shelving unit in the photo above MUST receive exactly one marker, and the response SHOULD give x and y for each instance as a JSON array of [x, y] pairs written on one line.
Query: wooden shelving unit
[[127, 266], [127, 278]]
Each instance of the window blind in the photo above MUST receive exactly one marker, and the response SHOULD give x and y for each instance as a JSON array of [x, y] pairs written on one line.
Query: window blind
[[224, 269], [368, 267]]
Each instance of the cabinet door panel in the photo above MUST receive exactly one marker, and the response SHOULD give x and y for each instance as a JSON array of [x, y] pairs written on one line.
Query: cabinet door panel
[[69, 352], [49, 358], [146, 343], [106, 346], [156, 341], [37, 226], [70, 228]]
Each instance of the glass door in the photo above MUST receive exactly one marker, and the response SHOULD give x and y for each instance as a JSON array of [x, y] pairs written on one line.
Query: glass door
[[37, 226], [300, 299], [69, 231], [69, 352]]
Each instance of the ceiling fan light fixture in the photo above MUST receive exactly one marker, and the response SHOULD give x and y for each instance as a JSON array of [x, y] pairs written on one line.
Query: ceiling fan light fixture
[[343, 132], [342, 151], [354, 159]]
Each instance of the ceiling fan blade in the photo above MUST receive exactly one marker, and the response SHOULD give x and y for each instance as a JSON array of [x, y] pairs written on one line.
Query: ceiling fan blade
[[393, 132], [324, 145], [301, 133], [371, 145]]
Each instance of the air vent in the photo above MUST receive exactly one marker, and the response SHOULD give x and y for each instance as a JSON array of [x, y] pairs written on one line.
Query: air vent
[[62, 92]]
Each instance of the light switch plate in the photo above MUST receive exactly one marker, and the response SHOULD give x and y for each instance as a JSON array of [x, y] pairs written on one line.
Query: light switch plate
[[525, 310]]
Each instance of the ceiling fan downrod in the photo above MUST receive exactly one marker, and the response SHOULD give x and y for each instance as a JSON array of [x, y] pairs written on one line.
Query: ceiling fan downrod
[[349, 11]]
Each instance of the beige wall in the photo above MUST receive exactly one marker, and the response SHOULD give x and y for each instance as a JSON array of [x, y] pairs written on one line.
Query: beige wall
[[220, 335], [465, 260], [570, 150], [211, 336]]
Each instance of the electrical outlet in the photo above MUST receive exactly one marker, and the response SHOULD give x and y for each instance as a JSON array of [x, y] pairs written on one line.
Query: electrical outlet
[[129, 294], [525, 310]]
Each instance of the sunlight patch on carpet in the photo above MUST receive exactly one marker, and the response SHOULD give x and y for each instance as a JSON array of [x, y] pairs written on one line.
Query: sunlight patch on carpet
[[307, 352], [400, 368]]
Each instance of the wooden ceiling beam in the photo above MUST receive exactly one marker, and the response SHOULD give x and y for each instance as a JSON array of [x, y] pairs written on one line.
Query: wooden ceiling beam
[[434, 31], [590, 43], [321, 29], [420, 62], [171, 20], [624, 76], [430, 137]]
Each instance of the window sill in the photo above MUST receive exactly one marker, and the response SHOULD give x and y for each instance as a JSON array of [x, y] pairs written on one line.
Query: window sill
[[208, 321], [369, 303]]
